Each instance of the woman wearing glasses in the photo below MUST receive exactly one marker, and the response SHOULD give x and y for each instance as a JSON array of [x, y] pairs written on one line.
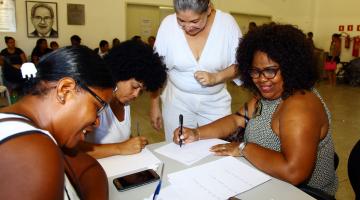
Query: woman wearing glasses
[[288, 135], [61, 104], [134, 67]]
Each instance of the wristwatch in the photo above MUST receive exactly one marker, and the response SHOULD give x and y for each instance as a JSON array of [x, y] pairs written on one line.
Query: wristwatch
[[242, 146]]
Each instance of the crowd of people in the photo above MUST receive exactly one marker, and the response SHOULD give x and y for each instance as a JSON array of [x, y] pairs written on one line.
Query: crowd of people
[[286, 124]]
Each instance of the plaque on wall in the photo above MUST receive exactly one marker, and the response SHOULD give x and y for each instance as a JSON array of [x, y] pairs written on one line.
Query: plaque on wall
[[76, 14]]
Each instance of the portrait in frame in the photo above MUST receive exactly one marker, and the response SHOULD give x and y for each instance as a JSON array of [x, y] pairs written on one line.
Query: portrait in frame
[[42, 19]]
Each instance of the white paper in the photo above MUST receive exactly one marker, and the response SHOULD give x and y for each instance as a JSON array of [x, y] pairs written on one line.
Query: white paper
[[122, 165], [217, 180], [169, 192], [189, 153]]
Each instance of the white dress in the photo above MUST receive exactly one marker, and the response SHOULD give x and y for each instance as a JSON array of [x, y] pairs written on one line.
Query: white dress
[[13, 128], [111, 130], [183, 94]]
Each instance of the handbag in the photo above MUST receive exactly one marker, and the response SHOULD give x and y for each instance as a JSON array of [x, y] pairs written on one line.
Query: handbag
[[330, 65]]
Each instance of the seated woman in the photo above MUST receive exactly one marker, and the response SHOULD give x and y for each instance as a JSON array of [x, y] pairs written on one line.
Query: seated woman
[[60, 105], [39, 50], [134, 67], [288, 135]]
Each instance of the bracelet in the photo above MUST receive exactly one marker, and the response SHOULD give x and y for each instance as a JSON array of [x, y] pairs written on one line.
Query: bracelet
[[196, 132], [241, 148]]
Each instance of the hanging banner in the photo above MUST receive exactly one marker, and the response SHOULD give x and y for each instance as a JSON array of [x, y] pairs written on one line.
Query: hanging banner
[[7, 16]]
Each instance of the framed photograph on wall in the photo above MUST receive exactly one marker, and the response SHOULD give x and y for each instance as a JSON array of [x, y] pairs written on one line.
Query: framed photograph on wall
[[42, 19]]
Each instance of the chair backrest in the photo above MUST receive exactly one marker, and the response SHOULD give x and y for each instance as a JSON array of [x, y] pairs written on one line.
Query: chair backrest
[[353, 169]]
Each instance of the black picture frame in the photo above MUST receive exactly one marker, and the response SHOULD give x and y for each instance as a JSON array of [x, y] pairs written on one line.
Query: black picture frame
[[40, 23]]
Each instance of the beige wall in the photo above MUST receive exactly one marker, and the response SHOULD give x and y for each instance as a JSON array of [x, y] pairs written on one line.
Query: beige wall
[[106, 19]]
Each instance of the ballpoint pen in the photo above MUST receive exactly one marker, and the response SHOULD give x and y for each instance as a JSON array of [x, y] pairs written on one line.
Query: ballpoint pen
[[137, 128], [158, 187], [181, 129]]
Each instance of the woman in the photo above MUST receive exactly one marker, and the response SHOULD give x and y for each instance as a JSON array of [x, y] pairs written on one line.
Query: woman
[[199, 45], [71, 88], [334, 56], [135, 67], [14, 57], [288, 135], [39, 50]]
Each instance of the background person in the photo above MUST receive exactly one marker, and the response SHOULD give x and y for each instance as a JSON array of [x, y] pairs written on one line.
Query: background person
[[195, 87], [103, 48], [39, 50], [33, 139], [54, 45], [334, 56], [135, 67], [75, 40], [42, 18], [288, 135]]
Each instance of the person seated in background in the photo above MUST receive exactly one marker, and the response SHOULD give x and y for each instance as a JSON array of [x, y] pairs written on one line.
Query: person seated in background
[[103, 48], [54, 45], [75, 40], [151, 41], [252, 26], [13, 58], [115, 42], [287, 124], [137, 38], [134, 67], [74, 83], [39, 50]]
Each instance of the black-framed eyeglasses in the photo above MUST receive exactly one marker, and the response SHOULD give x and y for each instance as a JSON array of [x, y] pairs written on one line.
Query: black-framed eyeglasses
[[99, 99], [269, 72]]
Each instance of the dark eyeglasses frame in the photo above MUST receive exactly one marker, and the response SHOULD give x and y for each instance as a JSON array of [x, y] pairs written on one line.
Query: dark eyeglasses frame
[[261, 72], [99, 99]]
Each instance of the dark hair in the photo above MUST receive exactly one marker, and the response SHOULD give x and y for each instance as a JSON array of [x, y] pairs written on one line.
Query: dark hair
[[285, 45], [36, 6], [53, 43], [77, 62], [132, 59], [103, 43], [39, 41], [7, 38], [198, 6], [115, 42], [75, 38], [136, 38]]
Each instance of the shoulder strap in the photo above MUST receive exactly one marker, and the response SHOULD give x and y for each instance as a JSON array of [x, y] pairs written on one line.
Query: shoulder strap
[[246, 115]]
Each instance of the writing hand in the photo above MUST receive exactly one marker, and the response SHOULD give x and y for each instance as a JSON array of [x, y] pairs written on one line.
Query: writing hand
[[132, 145], [188, 135]]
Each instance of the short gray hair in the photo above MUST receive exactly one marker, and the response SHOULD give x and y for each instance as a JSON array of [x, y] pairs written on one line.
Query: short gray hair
[[198, 6]]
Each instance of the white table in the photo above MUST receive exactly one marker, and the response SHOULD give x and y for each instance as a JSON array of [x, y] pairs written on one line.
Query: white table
[[274, 189]]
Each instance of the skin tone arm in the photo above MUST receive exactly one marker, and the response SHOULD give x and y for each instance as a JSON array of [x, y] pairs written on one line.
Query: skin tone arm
[[299, 133], [131, 146], [209, 79], [23, 176], [155, 112], [89, 174]]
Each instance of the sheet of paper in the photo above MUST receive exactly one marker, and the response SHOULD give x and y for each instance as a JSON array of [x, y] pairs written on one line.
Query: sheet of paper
[[189, 153], [219, 179], [122, 165], [170, 192]]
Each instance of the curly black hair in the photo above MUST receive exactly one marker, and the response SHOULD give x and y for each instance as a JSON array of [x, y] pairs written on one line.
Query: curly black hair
[[134, 59], [286, 45]]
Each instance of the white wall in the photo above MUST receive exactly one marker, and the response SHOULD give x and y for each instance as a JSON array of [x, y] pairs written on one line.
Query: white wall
[[106, 19]]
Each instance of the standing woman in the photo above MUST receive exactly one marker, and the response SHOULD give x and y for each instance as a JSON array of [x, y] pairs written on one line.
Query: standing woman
[[198, 44], [62, 103], [334, 56]]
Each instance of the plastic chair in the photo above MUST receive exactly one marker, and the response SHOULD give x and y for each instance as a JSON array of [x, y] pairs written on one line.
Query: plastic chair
[[353, 169], [4, 91]]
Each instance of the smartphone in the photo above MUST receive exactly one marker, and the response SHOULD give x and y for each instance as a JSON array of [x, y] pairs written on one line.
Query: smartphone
[[135, 180]]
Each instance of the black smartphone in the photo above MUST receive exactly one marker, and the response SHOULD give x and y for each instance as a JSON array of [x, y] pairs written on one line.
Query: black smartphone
[[135, 180]]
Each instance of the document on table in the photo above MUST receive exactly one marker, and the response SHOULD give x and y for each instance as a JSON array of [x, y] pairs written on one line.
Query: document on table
[[189, 153], [217, 180], [122, 165]]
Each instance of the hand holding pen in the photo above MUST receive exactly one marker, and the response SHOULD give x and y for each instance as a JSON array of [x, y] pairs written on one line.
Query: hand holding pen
[[181, 121]]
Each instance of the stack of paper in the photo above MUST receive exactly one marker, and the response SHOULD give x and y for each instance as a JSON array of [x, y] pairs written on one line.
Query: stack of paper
[[189, 153], [215, 180], [122, 165]]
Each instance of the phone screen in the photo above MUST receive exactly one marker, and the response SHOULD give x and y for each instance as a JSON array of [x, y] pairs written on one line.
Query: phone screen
[[135, 180]]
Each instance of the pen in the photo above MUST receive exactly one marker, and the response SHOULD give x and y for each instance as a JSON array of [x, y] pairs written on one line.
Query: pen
[[158, 187], [181, 129], [137, 128]]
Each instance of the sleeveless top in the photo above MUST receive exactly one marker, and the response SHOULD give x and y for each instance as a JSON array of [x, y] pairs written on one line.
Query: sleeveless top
[[259, 131], [13, 128]]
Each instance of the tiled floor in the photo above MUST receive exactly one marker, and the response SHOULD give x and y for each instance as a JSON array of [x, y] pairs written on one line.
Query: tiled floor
[[343, 101]]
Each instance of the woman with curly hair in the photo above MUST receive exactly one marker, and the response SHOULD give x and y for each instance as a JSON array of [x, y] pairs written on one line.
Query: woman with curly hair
[[288, 133], [135, 67]]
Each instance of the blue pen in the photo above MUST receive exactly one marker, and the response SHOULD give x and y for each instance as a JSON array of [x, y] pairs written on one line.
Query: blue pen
[[181, 129], [158, 187]]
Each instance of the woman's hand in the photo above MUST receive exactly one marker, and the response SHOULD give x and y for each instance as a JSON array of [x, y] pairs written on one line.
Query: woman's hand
[[205, 78], [188, 135], [228, 149], [132, 145]]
